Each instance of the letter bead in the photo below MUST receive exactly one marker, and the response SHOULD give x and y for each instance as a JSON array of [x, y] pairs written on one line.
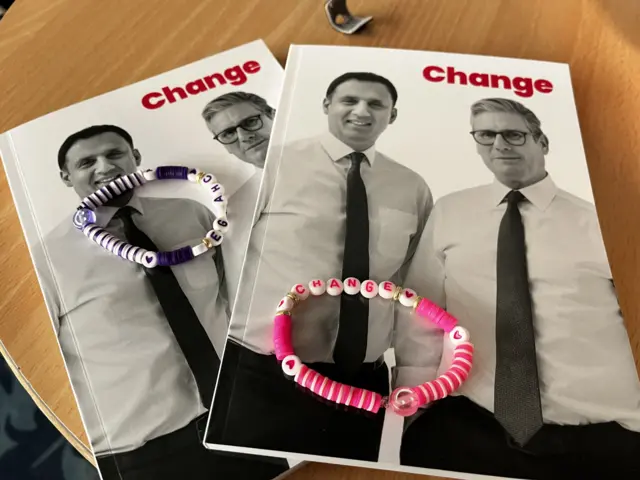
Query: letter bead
[[351, 286], [301, 291], [208, 179], [214, 237], [291, 365], [216, 189], [149, 259], [407, 297], [317, 287], [221, 225], [286, 304], [334, 287], [369, 289], [386, 290], [459, 335]]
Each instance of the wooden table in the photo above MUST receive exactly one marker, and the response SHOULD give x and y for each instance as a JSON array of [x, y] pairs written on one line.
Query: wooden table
[[57, 52]]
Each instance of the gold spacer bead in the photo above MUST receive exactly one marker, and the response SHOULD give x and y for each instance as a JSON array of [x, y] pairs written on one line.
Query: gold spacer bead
[[200, 176], [396, 293], [293, 297], [416, 302], [207, 241], [283, 312]]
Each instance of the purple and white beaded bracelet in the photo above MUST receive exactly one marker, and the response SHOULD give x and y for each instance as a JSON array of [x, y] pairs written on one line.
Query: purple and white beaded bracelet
[[84, 218]]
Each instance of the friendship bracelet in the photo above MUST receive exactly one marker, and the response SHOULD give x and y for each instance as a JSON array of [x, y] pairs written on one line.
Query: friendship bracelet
[[84, 218], [403, 401]]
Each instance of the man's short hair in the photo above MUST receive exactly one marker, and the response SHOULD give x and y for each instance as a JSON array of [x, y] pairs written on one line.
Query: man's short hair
[[227, 100], [86, 133], [363, 77], [511, 106]]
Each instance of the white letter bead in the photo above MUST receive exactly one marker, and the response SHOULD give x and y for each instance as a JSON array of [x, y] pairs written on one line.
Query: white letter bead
[[407, 297], [149, 259], [192, 174], [149, 175], [291, 365], [369, 289], [208, 179], [459, 335], [386, 289], [334, 287], [215, 237], [317, 287], [221, 225], [199, 249], [286, 304], [301, 291], [351, 286], [215, 189]]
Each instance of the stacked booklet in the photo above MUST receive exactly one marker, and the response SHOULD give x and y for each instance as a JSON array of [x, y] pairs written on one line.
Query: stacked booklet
[[381, 258]]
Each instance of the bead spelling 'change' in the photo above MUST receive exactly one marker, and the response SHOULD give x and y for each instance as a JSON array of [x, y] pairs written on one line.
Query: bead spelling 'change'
[[84, 219], [403, 401]]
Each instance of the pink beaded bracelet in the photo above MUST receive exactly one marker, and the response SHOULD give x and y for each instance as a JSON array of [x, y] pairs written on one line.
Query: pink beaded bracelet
[[404, 401], [84, 218]]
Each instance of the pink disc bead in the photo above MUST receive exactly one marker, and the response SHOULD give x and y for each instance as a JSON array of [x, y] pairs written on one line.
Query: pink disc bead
[[282, 336], [404, 401], [428, 309]]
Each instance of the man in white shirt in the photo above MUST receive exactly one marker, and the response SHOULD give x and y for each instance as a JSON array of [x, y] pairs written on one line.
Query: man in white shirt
[[329, 207], [241, 122], [143, 385], [553, 392]]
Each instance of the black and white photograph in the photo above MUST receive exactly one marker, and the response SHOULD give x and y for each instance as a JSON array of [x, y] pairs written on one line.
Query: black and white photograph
[[426, 287], [172, 165]]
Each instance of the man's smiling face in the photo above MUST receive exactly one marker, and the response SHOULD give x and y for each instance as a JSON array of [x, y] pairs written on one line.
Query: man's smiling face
[[358, 112], [93, 162]]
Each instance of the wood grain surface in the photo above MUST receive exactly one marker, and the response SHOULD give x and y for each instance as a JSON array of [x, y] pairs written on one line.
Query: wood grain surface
[[57, 52]]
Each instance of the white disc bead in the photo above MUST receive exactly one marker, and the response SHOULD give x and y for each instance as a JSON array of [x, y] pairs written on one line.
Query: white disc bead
[[459, 335], [407, 297], [386, 290], [149, 259], [317, 287], [369, 289], [291, 365], [334, 287], [285, 304], [199, 249], [149, 175], [301, 291], [351, 286], [192, 175]]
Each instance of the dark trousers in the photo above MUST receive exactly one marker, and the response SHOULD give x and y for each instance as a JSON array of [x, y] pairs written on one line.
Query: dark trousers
[[181, 455], [457, 434], [268, 411]]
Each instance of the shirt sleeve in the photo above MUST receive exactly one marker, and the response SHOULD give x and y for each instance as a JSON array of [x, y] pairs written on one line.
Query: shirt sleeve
[[417, 343]]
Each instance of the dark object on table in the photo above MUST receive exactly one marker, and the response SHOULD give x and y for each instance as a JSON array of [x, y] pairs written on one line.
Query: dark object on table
[[341, 19]]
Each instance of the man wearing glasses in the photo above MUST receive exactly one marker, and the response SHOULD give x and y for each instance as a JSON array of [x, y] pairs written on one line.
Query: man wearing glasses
[[241, 122], [521, 263]]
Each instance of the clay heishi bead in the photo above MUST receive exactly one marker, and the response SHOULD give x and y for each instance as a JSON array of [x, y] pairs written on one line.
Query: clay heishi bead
[[286, 304], [291, 365], [221, 225], [192, 176], [199, 249], [351, 286], [215, 237], [317, 287], [369, 289], [407, 297], [459, 335], [149, 175], [149, 259], [334, 287], [386, 289], [301, 291]]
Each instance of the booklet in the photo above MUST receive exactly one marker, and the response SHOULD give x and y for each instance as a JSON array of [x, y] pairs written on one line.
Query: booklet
[[141, 343], [426, 287]]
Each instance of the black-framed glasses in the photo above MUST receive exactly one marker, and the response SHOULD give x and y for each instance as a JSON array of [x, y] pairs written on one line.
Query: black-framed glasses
[[488, 137], [230, 135]]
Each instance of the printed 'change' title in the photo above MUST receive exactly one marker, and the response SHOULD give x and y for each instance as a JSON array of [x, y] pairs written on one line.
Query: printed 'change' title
[[236, 75], [521, 86]]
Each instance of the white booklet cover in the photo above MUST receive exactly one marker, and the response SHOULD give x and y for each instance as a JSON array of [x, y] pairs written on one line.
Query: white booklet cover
[[398, 167], [137, 394]]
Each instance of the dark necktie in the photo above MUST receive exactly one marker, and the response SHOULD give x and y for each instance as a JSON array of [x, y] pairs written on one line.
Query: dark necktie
[[517, 394], [351, 342], [187, 329]]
